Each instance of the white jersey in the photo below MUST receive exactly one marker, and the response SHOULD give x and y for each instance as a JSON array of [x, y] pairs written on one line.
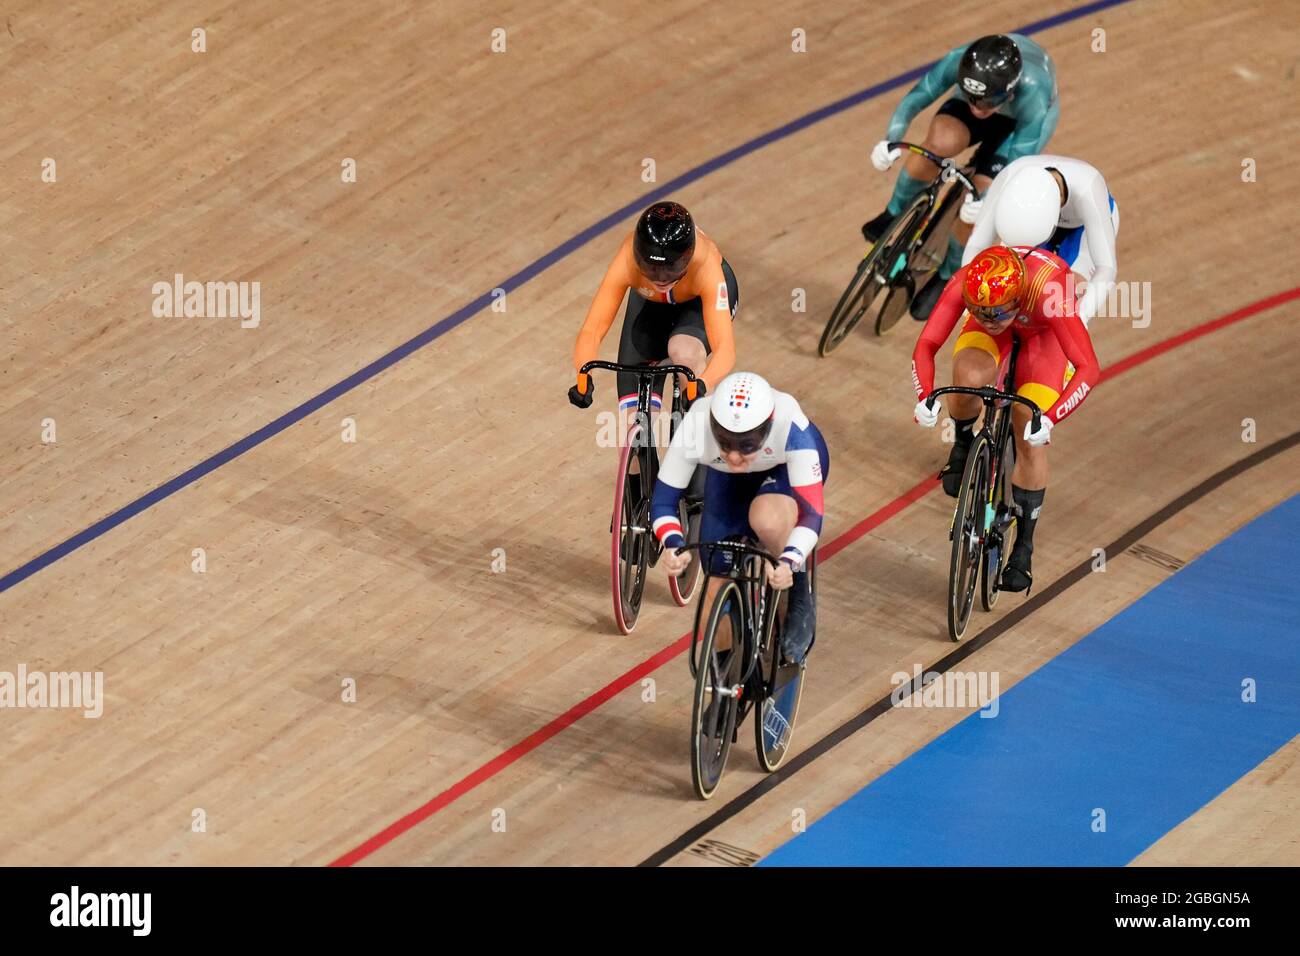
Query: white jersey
[[789, 442], [1088, 205], [793, 442]]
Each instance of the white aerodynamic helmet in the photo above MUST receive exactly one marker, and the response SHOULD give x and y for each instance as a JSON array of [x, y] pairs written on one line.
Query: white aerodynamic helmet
[[741, 412], [1028, 209]]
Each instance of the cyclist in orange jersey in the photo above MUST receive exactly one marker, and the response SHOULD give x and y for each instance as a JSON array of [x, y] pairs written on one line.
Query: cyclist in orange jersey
[[682, 302]]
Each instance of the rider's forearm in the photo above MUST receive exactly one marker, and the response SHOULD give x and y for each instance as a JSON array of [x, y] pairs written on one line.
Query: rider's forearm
[[923, 370], [1077, 346], [804, 537], [663, 512], [723, 344], [930, 87]]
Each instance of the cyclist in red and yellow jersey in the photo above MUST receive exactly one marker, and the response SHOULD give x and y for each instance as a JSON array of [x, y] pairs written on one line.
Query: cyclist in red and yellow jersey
[[1010, 292], [682, 302]]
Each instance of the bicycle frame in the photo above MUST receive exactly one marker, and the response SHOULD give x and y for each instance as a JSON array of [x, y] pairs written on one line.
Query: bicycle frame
[[646, 374], [634, 548], [757, 598], [951, 176]]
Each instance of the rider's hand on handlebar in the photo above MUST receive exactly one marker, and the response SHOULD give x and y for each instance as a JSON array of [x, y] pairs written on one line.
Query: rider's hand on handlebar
[[781, 576], [925, 416], [1044, 434], [582, 399], [882, 157], [675, 563], [700, 391], [970, 209]]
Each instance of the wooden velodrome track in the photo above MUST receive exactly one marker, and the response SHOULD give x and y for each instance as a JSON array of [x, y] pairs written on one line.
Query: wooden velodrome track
[[372, 560]]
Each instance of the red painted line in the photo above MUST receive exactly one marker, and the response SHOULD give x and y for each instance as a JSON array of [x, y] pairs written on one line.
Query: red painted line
[[877, 518], [1123, 365], [631, 677], [505, 759]]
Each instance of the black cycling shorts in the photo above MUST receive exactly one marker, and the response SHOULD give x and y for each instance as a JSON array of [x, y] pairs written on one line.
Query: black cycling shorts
[[647, 327], [990, 133]]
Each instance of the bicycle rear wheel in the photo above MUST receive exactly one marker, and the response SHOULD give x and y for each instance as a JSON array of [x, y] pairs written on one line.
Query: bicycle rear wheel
[[900, 297], [629, 540], [717, 691], [934, 245], [968, 538]]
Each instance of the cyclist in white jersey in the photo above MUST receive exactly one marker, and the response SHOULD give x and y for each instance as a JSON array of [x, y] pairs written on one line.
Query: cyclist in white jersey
[[766, 464], [1058, 204]]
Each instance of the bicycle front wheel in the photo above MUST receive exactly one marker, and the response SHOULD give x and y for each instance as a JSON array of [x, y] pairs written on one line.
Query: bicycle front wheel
[[968, 527], [877, 270], [717, 690], [630, 537], [898, 265], [1000, 531]]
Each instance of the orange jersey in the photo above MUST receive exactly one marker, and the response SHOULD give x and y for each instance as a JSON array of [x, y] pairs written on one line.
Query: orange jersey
[[703, 280]]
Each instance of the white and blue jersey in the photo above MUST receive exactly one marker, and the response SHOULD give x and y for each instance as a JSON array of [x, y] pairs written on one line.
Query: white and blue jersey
[[793, 461], [1086, 229]]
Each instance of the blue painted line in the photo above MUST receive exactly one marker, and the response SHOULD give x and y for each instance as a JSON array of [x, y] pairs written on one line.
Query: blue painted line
[[530, 271], [1142, 719]]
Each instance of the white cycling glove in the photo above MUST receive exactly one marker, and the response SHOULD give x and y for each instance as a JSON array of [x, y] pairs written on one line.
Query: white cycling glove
[[882, 157], [925, 416], [1044, 434]]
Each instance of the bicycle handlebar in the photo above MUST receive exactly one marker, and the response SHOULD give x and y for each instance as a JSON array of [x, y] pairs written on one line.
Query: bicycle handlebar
[[735, 547], [948, 170], [988, 395], [640, 371]]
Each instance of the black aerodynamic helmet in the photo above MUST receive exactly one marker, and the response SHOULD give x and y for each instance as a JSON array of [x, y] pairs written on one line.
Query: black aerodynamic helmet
[[989, 71], [664, 242]]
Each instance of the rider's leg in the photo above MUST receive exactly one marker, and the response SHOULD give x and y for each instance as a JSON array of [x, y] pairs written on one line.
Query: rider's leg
[[688, 344], [946, 137], [772, 517], [924, 301], [989, 131], [725, 515], [1028, 488], [643, 340], [961, 231], [684, 348], [974, 364], [1041, 361]]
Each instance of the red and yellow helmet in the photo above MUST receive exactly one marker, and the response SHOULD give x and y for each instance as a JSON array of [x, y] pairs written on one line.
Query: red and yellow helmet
[[994, 283]]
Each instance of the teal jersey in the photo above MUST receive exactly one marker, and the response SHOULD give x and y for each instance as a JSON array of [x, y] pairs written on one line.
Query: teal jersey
[[1034, 106]]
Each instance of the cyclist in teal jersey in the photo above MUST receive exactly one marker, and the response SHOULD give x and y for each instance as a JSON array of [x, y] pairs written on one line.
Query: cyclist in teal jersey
[[1008, 105]]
